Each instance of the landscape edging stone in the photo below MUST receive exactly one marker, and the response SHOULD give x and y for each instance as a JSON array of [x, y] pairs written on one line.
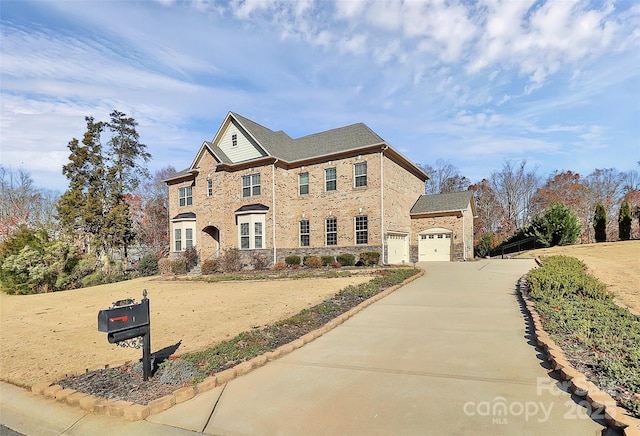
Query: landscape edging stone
[[615, 416]]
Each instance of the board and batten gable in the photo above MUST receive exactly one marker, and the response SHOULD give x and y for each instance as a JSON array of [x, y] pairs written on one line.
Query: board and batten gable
[[244, 149]]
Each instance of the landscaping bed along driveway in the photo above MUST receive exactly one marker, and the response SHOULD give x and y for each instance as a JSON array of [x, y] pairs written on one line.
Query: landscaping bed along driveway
[[45, 336]]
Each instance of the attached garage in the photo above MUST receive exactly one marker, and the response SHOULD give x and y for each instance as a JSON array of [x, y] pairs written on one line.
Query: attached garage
[[434, 245], [397, 248]]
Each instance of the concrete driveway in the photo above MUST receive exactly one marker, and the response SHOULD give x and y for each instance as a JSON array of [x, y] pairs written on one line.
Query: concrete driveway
[[446, 354]]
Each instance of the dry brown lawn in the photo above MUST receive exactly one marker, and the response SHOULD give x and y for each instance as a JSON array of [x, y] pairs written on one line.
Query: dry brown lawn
[[616, 264], [45, 336]]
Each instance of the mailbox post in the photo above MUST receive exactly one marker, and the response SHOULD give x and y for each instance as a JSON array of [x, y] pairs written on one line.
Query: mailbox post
[[126, 320]]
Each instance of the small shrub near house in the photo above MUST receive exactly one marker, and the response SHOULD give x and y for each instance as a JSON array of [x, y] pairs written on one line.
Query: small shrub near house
[[209, 267], [260, 262], [231, 261], [346, 259], [335, 264], [327, 260], [148, 265], [313, 262], [179, 266], [292, 260], [164, 265], [370, 257], [279, 266], [190, 256]]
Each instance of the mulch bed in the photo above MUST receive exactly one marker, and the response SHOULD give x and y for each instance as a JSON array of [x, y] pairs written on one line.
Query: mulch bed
[[126, 382]]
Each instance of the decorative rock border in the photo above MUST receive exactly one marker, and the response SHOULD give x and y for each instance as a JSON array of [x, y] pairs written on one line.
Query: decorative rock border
[[599, 401], [137, 412]]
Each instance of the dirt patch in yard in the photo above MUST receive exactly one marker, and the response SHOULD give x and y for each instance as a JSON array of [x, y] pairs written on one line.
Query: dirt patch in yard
[[45, 336], [616, 264]]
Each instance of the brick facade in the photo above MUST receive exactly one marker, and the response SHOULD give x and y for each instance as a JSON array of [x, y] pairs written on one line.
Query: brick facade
[[272, 218]]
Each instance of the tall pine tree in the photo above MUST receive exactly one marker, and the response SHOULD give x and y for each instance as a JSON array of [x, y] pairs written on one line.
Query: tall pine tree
[[124, 175], [80, 210], [95, 207]]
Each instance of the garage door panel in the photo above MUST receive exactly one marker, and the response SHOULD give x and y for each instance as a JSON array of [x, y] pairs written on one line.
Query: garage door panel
[[397, 249], [434, 247]]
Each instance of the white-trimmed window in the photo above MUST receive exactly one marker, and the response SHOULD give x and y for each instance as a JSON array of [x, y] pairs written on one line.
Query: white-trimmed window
[[331, 229], [303, 183], [234, 140], [304, 233], [362, 229], [188, 238], [251, 231], [177, 238], [251, 185], [185, 196], [360, 174], [330, 179]]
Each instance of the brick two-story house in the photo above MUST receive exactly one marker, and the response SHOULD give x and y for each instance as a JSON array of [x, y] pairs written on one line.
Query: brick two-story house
[[341, 191]]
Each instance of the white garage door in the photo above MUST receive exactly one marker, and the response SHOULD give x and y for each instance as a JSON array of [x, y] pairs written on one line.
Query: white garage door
[[397, 248], [435, 246]]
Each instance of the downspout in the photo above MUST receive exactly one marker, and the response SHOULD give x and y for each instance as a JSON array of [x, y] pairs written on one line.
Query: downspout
[[273, 208], [382, 203], [464, 243]]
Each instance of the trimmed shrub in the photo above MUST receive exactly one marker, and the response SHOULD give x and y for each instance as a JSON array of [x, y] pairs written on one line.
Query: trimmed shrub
[[260, 262], [336, 264], [561, 277], [164, 265], [280, 266], [292, 260], [624, 222], [327, 260], [148, 265], [209, 266], [346, 259], [600, 223], [190, 256], [370, 257], [313, 262], [231, 261], [179, 266]]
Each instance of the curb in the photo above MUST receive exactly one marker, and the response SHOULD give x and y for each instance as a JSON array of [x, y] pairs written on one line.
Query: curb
[[601, 405], [138, 412]]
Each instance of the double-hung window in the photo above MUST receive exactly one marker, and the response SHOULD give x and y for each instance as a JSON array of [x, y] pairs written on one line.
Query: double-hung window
[[251, 185], [303, 183], [178, 239], [360, 174], [245, 237], [257, 235], [331, 226], [188, 238], [330, 179], [234, 140], [362, 229], [209, 187], [185, 196], [304, 233]]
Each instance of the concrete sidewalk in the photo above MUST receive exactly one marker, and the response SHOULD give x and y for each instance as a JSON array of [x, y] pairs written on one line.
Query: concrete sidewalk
[[446, 354]]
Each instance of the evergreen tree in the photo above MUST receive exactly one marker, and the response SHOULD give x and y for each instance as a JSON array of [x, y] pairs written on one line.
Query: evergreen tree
[[123, 177], [600, 223], [624, 222], [80, 210], [558, 225]]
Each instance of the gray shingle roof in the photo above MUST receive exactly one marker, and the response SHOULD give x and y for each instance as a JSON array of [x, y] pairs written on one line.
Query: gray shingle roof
[[282, 146], [184, 215], [257, 207], [438, 203]]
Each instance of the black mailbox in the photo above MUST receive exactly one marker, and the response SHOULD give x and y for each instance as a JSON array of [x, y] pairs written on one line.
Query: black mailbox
[[126, 320], [123, 318]]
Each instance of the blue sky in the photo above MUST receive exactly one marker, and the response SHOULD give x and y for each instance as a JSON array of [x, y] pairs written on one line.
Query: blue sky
[[473, 83]]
